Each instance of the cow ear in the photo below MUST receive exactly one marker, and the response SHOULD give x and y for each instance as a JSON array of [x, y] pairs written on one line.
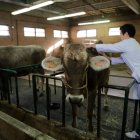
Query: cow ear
[[51, 63], [99, 63]]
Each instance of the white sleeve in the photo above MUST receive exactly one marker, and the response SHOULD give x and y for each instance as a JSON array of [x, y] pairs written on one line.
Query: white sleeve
[[116, 60], [116, 47]]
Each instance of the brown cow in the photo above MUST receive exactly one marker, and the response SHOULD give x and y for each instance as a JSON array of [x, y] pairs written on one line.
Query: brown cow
[[17, 56], [81, 80], [21, 56]]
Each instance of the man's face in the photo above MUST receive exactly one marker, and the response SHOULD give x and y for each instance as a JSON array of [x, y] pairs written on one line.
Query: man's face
[[124, 36], [121, 35]]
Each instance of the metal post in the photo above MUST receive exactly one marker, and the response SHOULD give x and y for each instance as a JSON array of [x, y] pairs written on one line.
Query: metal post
[[135, 114], [124, 120], [54, 85], [29, 78], [47, 99], [34, 93], [16, 87], [99, 113], [7, 90], [63, 105], [10, 83]]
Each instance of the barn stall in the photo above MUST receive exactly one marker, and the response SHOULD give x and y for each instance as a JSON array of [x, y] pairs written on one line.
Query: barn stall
[[32, 28], [52, 105]]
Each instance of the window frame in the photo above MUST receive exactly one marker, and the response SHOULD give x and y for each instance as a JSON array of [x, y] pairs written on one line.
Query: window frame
[[86, 33], [114, 33], [6, 31], [35, 32], [43, 31], [62, 34]]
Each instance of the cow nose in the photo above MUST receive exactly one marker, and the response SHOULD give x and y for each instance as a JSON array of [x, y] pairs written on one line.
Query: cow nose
[[75, 99]]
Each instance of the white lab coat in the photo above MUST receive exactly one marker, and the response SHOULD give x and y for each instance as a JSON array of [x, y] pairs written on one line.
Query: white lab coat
[[130, 54]]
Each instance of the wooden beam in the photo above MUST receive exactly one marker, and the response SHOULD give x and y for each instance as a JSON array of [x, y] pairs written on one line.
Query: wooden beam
[[133, 5]]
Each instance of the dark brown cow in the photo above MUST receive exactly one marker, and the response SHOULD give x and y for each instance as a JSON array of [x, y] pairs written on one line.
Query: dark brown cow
[[17, 56], [21, 56], [81, 80]]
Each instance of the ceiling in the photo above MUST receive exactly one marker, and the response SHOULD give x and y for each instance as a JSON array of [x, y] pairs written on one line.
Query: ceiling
[[95, 9]]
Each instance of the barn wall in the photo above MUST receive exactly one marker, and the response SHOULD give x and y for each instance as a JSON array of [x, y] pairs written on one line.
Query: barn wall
[[17, 23], [102, 31]]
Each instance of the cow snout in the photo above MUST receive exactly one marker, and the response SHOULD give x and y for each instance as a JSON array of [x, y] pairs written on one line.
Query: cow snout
[[75, 99]]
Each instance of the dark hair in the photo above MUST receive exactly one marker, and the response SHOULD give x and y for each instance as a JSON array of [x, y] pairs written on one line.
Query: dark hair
[[129, 28]]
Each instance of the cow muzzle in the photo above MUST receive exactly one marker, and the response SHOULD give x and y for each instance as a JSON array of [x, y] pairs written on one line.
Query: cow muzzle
[[75, 99]]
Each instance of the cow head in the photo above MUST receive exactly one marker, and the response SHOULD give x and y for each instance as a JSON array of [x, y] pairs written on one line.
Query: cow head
[[75, 62]]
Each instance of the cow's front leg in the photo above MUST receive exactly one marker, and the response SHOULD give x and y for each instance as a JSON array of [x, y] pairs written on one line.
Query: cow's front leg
[[90, 107], [74, 115]]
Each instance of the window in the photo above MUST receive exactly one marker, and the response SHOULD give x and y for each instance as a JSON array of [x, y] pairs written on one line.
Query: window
[[114, 31], [64, 34], [86, 33], [81, 33], [29, 31], [57, 33], [4, 30], [34, 32], [91, 33], [60, 34], [40, 32]]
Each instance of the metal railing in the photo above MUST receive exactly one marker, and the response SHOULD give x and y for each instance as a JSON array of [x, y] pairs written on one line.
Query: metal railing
[[126, 90], [5, 78], [48, 100]]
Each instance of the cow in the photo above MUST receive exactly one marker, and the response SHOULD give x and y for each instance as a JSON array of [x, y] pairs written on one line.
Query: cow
[[13, 57], [81, 80], [17, 56]]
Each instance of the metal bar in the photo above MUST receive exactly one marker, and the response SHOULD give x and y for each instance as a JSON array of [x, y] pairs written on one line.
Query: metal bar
[[26, 67], [29, 78], [117, 87], [47, 99], [48, 95], [10, 83], [1, 88], [124, 114], [121, 87], [63, 104], [7, 88], [99, 113], [34, 93], [57, 73], [121, 76], [16, 87], [47, 76], [135, 115], [54, 85], [126, 89], [8, 71]]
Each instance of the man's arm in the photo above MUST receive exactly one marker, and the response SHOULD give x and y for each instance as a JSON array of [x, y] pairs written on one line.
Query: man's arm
[[116, 60]]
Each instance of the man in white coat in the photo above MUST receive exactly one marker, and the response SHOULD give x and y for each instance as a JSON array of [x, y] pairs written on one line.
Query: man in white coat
[[130, 54]]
